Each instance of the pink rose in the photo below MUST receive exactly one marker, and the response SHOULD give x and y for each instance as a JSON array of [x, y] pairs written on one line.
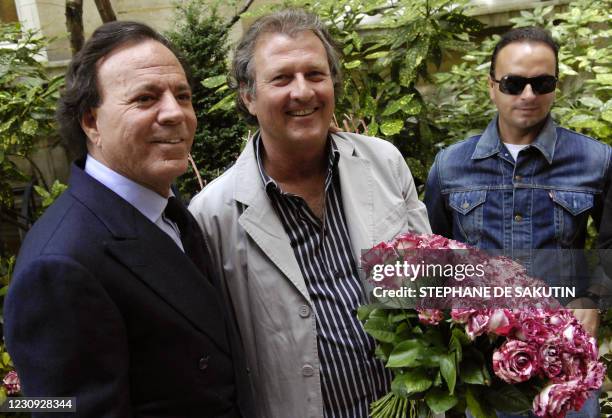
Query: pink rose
[[532, 327], [576, 340], [430, 316], [407, 240], [380, 254], [560, 318], [574, 367], [461, 315], [501, 322], [477, 324], [11, 383], [550, 360], [594, 376], [515, 361], [556, 400]]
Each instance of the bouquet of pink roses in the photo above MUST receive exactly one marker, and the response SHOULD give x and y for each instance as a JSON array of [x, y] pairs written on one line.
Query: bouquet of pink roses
[[532, 355]]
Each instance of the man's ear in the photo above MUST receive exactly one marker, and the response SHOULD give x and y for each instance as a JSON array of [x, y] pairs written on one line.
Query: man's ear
[[247, 99], [89, 124], [491, 87]]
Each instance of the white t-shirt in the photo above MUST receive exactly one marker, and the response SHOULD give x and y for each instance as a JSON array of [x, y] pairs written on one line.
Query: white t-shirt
[[515, 149]]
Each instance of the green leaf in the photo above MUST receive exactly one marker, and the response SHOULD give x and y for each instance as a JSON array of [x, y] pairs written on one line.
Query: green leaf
[[379, 329], [509, 398], [411, 382], [409, 353], [29, 127], [352, 64], [439, 401], [376, 55], [356, 40], [591, 102], [457, 340], [214, 81], [392, 127], [225, 104], [364, 311], [604, 78], [6, 125], [407, 76], [477, 406], [397, 105], [471, 372], [398, 317], [605, 115], [448, 368]]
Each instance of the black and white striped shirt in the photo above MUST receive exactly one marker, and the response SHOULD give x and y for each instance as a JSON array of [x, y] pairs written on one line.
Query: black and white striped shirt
[[351, 377]]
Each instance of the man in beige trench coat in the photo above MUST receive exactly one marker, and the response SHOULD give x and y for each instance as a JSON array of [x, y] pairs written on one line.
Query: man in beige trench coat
[[286, 225]]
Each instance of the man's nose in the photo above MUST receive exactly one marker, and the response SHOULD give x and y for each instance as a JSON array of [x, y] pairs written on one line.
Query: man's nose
[[528, 92], [170, 110], [301, 89]]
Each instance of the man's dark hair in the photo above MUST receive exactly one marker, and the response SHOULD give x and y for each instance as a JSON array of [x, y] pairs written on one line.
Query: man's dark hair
[[527, 34], [80, 93]]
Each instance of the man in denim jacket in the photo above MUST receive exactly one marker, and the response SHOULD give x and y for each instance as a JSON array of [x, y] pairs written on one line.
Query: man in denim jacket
[[525, 183]]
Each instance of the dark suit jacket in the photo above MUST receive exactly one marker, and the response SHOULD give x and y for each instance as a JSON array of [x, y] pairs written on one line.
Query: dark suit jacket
[[104, 306]]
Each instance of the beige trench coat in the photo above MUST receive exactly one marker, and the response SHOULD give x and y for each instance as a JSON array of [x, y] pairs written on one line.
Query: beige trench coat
[[252, 255]]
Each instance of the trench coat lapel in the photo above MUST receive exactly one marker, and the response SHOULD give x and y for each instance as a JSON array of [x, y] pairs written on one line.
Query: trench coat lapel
[[153, 257], [261, 222], [358, 194]]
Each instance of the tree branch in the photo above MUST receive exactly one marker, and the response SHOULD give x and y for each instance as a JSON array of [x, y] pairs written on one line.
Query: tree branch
[[236, 17], [74, 24], [105, 8]]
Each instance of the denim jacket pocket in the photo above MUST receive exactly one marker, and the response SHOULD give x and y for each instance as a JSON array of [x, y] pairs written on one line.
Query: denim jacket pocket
[[468, 207], [571, 213]]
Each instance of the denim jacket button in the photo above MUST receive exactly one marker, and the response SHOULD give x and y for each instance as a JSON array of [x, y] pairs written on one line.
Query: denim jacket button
[[518, 218], [518, 178], [465, 205]]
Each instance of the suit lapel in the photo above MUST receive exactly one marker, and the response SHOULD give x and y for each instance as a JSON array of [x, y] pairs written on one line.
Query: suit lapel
[[158, 262], [153, 257], [261, 222]]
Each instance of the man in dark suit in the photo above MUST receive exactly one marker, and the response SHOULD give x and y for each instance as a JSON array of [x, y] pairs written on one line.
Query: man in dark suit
[[110, 300]]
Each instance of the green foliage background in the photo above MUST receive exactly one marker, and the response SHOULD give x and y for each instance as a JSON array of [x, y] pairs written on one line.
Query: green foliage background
[[27, 103], [201, 34]]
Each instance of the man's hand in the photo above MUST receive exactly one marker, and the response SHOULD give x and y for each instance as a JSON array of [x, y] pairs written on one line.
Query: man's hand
[[584, 310]]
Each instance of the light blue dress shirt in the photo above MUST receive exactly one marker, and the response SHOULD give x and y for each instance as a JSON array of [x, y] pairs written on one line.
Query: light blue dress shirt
[[145, 200]]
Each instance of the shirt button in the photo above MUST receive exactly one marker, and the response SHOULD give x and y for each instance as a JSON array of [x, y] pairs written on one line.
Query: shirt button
[[465, 205], [307, 370], [518, 218], [337, 274], [304, 311], [203, 363]]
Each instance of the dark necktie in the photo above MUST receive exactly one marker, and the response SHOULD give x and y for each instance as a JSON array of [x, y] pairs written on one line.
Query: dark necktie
[[191, 235]]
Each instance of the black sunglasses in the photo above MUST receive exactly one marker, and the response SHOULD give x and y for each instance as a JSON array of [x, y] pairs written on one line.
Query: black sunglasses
[[514, 84]]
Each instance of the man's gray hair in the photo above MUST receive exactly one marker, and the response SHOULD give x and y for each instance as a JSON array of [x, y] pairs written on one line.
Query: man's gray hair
[[288, 22]]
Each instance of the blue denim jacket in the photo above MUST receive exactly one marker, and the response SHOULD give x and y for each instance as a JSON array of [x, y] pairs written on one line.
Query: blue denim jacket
[[478, 194]]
